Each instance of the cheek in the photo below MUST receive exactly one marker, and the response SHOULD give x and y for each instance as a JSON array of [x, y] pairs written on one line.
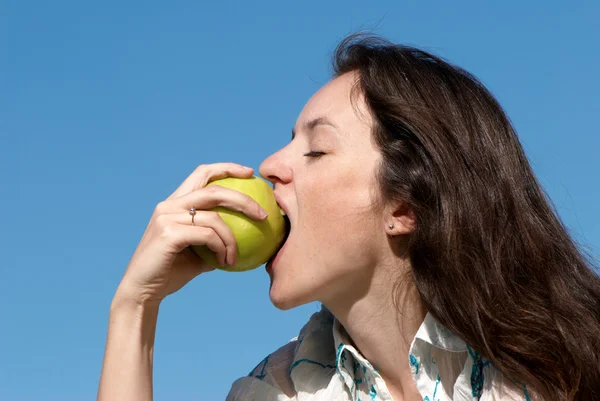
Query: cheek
[[337, 221], [323, 208]]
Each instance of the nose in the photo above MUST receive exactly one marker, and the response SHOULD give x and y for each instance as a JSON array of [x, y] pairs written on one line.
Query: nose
[[275, 168]]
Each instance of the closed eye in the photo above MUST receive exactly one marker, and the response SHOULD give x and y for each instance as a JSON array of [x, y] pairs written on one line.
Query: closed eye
[[314, 154]]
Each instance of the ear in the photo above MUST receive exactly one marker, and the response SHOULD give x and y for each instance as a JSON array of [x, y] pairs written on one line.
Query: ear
[[400, 220]]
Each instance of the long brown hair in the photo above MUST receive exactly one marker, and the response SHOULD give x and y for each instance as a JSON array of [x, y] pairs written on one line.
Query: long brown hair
[[490, 257]]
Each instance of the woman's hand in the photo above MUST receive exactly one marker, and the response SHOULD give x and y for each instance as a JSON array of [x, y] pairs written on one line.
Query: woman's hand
[[161, 265], [163, 262]]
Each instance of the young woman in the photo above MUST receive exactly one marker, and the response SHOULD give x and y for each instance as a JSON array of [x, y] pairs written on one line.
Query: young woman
[[417, 222]]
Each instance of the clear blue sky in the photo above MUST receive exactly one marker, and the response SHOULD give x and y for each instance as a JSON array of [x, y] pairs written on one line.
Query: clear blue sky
[[106, 106]]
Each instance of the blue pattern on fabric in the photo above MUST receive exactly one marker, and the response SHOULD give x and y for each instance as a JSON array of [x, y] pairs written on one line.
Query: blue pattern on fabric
[[361, 381], [355, 382], [437, 383], [414, 362], [262, 371], [526, 393], [337, 358], [343, 359], [373, 393], [477, 375], [298, 362], [340, 359]]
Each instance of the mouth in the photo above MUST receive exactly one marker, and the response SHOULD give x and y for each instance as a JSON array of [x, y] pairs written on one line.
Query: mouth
[[286, 234], [288, 228]]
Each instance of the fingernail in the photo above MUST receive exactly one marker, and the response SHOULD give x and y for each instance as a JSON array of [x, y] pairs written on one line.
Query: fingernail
[[263, 213]]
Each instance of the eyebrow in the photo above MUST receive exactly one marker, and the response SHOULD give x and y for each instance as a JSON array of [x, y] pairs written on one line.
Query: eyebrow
[[315, 122]]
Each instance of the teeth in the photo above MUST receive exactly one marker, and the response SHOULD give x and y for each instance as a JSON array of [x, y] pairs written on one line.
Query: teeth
[[282, 212]]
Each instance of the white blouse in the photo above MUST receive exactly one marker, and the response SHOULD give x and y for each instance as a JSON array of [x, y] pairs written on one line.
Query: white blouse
[[322, 365]]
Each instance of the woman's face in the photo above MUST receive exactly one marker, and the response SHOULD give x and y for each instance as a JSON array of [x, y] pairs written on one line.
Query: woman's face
[[337, 237]]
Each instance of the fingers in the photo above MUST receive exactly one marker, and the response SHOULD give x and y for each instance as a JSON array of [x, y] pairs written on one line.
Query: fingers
[[210, 197], [195, 235], [215, 222], [208, 229], [215, 195], [175, 223], [209, 172]]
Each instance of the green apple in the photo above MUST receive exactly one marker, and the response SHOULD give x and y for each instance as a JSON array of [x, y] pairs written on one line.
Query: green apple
[[257, 240]]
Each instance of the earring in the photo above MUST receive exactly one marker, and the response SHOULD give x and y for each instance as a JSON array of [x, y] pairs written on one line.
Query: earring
[[390, 225]]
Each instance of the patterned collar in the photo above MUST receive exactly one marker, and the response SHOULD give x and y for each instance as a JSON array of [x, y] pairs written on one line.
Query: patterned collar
[[443, 366]]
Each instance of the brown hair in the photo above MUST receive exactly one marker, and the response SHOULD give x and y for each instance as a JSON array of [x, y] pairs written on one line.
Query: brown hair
[[490, 257]]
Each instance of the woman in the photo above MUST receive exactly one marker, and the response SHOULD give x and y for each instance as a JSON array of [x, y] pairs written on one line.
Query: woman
[[417, 222]]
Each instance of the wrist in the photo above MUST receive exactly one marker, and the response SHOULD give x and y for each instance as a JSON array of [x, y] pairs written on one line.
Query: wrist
[[128, 298], [133, 321], [133, 307], [130, 304]]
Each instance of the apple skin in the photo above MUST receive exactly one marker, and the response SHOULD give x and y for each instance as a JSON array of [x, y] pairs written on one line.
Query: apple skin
[[257, 240]]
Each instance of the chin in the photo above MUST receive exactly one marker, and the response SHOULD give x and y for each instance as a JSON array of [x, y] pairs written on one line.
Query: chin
[[285, 298], [282, 304]]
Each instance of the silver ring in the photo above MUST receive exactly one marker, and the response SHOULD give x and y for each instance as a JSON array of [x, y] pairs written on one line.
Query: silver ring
[[192, 212]]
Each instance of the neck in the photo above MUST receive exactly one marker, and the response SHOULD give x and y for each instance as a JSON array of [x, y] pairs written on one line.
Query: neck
[[381, 331]]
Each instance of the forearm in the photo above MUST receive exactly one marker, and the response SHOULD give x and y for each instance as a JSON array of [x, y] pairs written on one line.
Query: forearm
[[127, 367]]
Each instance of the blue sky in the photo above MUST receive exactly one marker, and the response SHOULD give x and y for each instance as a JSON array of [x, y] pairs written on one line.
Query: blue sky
[[106, 107]]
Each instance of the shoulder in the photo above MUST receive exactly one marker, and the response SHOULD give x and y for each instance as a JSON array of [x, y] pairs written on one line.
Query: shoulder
[[282, 373], [270, 379]]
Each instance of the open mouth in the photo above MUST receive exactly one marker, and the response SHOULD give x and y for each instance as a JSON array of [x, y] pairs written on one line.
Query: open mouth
[[287, 232], [285, 237], [288, 227]]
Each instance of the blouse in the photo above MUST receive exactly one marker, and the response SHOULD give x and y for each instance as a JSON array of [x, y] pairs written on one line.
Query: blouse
[[321, 364]]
